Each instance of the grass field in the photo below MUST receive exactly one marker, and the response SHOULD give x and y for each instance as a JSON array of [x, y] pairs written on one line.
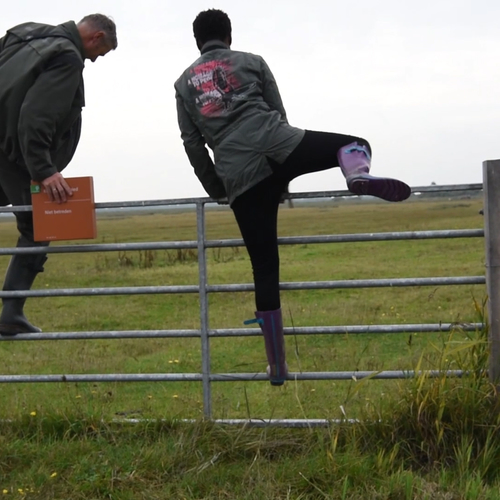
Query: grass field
[[80, 453]]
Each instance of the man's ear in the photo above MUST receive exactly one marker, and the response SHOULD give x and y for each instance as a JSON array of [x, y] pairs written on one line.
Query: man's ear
[[99, 37]]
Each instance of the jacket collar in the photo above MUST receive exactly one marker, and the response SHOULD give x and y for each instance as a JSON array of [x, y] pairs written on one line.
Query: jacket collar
[[74, 35], [212, 45]]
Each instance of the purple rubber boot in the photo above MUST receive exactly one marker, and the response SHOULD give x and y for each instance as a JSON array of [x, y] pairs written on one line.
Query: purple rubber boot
[[355, 161], [271, 324]]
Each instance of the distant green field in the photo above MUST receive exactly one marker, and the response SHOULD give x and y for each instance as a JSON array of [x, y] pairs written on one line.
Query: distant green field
[[343, 261]]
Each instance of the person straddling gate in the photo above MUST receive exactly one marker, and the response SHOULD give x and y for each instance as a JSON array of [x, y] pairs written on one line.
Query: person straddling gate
[[41, 98], [229, 100]]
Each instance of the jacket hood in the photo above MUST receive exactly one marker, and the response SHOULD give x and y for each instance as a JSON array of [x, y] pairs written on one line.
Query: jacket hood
[[31, 31]]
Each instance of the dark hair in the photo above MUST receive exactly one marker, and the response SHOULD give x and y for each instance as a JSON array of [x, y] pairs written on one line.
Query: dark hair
[[212, 24], [101, 22]]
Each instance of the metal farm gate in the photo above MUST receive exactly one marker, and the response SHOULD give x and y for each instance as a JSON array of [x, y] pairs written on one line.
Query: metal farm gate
[[491, 183]]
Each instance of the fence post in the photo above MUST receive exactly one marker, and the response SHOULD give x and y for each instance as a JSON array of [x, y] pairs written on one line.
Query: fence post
[[491, 186], [203, 297]]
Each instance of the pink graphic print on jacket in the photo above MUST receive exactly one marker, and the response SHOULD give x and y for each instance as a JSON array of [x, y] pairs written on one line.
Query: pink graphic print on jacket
[[215, 86]]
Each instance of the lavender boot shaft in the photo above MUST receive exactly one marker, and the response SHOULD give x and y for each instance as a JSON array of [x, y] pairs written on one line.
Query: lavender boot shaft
[[271, 324]]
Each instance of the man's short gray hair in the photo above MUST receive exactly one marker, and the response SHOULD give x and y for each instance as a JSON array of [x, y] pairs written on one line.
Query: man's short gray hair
[[100, 22]]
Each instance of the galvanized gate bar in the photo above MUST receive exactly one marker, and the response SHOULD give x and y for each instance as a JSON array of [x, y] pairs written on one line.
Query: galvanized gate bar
[[291, 196], [350, 375], [288, 240], [304, 285], [355, 329], [226, 377], [103, 247], [249, 332], [361, 237], [204, 319], [121, 290], [340, 284], [273, 422], [103, 335]]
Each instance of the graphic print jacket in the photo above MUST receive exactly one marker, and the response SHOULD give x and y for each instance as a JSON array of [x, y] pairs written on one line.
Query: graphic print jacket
[[229, 101]]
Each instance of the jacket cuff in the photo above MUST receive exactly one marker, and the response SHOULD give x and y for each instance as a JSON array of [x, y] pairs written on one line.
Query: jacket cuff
[[40, 174]]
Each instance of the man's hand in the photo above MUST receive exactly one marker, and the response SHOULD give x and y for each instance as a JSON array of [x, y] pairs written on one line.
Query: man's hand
[[57, 188]]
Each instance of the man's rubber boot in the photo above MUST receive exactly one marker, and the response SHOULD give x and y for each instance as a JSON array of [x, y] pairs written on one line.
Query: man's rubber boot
[[21, 273], [355, 162], [271, 324]]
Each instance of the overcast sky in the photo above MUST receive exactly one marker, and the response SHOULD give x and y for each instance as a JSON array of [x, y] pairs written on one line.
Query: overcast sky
[[419, 80]]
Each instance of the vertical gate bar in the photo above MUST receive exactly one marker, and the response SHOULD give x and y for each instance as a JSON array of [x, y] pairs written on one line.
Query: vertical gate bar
[[203, 297], [491, 186]]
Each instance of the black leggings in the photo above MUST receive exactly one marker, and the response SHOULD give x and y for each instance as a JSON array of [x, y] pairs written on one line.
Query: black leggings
[[256, 210]]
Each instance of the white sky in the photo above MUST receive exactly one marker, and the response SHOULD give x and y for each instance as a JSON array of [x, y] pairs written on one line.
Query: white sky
[[419, 80]]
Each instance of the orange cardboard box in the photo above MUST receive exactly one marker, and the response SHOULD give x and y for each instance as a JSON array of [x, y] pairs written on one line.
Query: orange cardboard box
[[73, 220]]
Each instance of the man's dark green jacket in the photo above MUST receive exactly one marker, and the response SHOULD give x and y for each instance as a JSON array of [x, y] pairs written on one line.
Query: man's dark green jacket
[[41, 96]]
